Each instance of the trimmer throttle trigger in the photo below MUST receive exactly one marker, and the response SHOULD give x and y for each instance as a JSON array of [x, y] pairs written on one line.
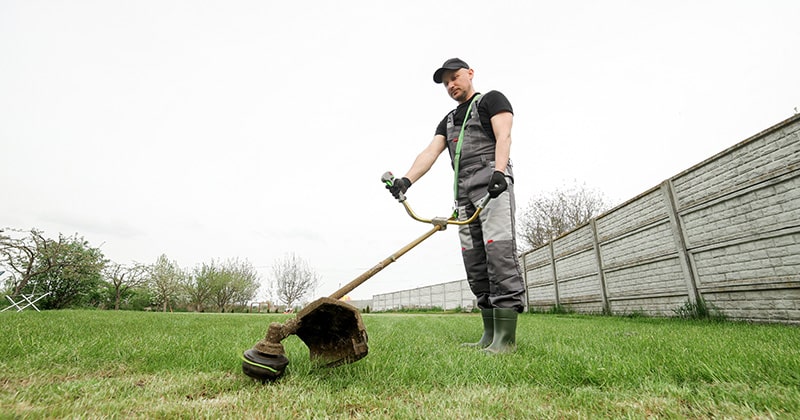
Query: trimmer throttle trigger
[[387, 178]]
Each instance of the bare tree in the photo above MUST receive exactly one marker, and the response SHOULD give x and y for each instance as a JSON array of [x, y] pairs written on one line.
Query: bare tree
[[292, 279], [557, 212], [123, 278]]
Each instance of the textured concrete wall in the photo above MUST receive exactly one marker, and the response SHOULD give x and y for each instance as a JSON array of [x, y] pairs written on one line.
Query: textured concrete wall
[[450, 295], [726, 231]]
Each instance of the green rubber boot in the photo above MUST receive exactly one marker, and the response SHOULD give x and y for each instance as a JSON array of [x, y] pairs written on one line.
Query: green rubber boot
[[488, 330], [505, 331]]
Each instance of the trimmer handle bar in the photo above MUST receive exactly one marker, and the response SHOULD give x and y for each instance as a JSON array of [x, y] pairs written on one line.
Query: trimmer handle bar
[[388, 179]]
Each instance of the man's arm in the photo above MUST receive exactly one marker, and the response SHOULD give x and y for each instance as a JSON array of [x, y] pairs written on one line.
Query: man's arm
[[426, 158], [501, 125]]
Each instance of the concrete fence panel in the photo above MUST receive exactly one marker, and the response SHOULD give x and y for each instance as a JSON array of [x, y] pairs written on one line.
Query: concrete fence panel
[[447, 296]]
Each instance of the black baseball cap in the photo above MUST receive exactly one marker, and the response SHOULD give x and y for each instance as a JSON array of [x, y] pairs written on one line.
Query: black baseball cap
[[451, 64]]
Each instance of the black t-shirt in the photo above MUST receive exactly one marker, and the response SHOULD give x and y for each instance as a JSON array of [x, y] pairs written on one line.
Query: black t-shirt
[[491, 104]]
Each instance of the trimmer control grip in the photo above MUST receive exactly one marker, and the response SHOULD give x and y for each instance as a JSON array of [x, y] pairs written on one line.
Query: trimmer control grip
[[388, 179]]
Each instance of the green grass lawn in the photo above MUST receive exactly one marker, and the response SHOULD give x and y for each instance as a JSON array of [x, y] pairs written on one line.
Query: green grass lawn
[[94, 364]]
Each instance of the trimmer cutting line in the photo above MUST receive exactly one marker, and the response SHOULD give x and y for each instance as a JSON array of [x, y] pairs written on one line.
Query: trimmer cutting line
[[332, 329]]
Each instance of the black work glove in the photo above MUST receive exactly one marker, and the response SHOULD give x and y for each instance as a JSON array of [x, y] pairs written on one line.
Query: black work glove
[[399, 186], [497, 184]]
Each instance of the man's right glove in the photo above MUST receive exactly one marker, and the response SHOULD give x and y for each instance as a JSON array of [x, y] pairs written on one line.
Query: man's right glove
[[399, 186], [497, 184]]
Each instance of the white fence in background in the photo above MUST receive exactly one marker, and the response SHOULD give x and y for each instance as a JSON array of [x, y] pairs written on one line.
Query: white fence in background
[[447, 296]]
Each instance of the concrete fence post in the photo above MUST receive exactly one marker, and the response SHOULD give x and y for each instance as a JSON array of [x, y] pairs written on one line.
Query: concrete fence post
[[678, 235], [555, 272], [600, 272], [525, 282]]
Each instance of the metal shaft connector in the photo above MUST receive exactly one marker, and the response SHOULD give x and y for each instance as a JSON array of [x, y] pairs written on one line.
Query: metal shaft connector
[[440, 221]]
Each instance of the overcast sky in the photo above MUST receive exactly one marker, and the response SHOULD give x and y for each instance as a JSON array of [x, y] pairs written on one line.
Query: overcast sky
[[253, 129]]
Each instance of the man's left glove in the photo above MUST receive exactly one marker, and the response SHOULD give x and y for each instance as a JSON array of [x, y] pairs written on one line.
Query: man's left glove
[[399, 186], [497, 184]]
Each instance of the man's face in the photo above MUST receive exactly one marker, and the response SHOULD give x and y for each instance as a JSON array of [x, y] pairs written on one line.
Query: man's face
[[458, 84]]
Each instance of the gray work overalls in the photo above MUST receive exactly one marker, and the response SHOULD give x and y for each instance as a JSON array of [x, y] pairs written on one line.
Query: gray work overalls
[[488, 245]]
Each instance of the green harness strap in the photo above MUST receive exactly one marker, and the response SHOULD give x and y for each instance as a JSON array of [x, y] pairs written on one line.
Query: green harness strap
[[457, 157]]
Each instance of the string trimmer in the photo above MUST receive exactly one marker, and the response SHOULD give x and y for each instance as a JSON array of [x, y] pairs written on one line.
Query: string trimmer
[[332, 329]]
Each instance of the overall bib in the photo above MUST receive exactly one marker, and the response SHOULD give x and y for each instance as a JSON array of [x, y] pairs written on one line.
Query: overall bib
[[488, 244]]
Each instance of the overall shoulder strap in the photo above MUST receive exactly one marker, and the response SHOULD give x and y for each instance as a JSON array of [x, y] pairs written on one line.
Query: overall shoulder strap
[[460, 142]]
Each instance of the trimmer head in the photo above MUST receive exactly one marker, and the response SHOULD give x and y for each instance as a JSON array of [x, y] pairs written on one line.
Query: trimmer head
[[332, 330], [262, 366]]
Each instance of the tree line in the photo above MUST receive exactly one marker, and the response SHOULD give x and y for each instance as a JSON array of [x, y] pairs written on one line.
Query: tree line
[[76, 274]]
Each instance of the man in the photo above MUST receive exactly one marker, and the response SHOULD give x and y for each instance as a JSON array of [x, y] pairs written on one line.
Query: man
[[477, 135]]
